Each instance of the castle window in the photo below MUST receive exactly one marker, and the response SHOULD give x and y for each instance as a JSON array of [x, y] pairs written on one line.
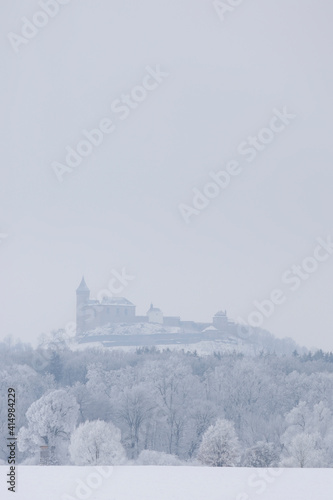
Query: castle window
[[125, 312]]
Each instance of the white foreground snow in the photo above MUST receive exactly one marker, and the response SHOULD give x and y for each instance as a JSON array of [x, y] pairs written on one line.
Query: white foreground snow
[[167, 483]]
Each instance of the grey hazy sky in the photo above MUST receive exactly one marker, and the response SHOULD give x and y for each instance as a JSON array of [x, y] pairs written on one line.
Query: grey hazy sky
[[119, 208]]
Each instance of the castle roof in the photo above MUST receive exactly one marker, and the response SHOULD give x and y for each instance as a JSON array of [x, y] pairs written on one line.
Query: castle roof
[[210, 328], [82, 286], [116, 301], [221, 313], [153, 309]]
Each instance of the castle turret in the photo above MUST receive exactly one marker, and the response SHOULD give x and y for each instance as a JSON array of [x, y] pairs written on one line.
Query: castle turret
[[220, 320], [82, 298], [155, 315]]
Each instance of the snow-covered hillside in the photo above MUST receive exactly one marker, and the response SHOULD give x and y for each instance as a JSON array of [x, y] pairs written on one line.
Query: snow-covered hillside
[[201, 348], [130, 336], [133, 329]]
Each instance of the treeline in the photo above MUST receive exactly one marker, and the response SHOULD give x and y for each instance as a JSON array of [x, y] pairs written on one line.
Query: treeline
[[280, 407], [316, 356]]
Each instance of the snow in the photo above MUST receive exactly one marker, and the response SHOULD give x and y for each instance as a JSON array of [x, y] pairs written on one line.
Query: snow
[[206, 347], [168, 483], [116, 301], [132, 329]]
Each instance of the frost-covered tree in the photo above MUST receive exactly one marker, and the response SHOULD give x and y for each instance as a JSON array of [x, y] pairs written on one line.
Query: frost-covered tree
[[149, 457], [308, 436], [174, 390], [51, 419], [304, 450], [134, 408], [96, 443], [261, 455], [202, 413], [165, 400], [220, 446], [298, 419], [29, 386]]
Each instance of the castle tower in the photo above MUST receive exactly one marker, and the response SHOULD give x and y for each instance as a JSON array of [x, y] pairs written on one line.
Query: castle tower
[[155, 315], [220, 320], [82, 298]]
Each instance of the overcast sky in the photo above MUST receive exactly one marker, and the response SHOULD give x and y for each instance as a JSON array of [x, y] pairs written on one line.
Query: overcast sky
[[120, 207]]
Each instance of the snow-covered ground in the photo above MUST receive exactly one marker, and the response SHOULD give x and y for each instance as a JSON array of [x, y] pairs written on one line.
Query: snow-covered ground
[[133, 329], [202, 348], [168, 483], [205, 347]]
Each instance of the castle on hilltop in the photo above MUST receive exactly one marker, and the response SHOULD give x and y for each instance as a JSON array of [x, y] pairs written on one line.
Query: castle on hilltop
[[92, 313]]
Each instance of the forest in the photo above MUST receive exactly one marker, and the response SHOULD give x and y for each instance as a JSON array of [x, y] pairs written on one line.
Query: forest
[[163, 407]]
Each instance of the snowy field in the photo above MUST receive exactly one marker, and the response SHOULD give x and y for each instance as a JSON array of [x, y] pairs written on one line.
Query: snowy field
[[168, 483]]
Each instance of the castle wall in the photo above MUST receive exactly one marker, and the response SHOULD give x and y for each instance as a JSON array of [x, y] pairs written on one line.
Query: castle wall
[[220, 322], [155, 316], [171, 321], [140, 319], [91, 316]]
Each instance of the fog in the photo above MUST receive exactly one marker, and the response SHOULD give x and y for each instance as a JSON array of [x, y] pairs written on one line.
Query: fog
[[224, 81]]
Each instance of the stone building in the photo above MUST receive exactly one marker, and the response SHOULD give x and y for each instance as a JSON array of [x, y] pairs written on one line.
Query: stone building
[[220, 320], [92, 313], [155, 315]]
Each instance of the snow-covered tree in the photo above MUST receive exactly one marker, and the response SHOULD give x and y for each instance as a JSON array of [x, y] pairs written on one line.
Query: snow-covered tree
[[150, 457], [219, 446], [298, 419], [166, 400], [51, 419], [134, 408], [261, 455], [304, 450], [28, 385], [308, 436], [96, 443], [174, 390], [202, 413]]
